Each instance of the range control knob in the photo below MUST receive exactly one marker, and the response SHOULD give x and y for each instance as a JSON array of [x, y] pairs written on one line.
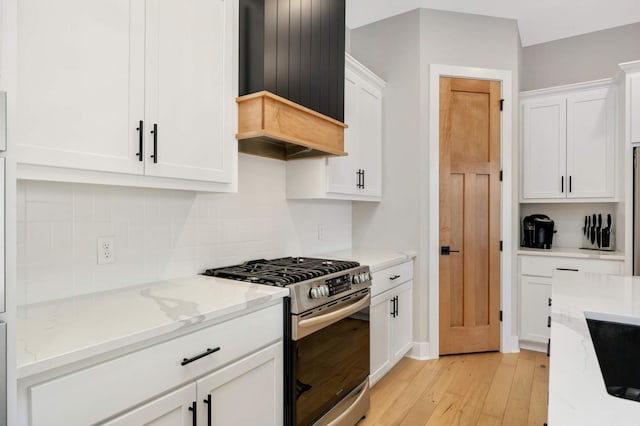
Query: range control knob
[[363, 277], [356, 279], [324, 290], [314, 293]]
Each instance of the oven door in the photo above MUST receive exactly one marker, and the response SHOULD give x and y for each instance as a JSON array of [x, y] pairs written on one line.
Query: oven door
[[333, 360]]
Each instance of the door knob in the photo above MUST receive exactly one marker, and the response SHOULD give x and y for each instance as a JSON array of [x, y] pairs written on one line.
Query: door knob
[[446, 251]]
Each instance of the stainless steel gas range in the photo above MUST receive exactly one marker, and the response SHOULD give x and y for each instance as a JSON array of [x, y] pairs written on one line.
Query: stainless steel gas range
[[326, 335]]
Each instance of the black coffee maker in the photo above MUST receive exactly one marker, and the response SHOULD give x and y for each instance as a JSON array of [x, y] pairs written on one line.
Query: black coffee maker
[[537, 231]]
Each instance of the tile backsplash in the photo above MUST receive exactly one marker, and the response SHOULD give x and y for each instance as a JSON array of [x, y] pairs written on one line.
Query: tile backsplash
[[161, 234]]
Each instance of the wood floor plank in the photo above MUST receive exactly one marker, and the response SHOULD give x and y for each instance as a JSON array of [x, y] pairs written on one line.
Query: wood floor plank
[[485, 389], [496, 401]]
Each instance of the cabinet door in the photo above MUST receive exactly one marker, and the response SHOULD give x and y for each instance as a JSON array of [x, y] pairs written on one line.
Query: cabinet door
[[634, 106], [402, 323], [380, 323], [342, 175], [370, 154], [172, 409], [80, 78], [590, 145], [544, 148], [189, 89], [246, 393], [534, 308]]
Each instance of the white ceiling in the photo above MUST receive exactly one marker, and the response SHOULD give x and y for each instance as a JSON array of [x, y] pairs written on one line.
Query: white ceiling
[[539, 21]]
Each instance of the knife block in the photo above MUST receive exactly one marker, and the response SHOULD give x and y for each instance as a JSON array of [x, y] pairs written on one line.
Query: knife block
[[606, 238]]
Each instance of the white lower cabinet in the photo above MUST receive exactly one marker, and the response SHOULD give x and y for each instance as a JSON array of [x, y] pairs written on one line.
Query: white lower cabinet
[[236, 366], [245, 393], [391, 316], [536, 274]]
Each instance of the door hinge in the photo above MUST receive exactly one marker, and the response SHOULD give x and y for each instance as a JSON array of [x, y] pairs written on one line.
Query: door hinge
[[500, 316], [500, 175], [500, 245], [501, 104]]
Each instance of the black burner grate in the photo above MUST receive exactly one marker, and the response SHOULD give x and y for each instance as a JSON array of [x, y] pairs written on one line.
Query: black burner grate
[[283, 271]]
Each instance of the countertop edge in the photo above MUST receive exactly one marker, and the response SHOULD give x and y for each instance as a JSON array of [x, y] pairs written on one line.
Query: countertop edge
[[151, 336], [575, 253]]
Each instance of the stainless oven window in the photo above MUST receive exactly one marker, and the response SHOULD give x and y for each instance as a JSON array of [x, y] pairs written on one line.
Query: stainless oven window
[[330, 363]]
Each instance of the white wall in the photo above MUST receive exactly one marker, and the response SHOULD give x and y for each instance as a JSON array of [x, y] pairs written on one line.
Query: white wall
[[581, 58], [400, 49], [162, 234]]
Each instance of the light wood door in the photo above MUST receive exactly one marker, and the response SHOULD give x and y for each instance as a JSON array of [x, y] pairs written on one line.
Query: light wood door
[[246, 393], [80, 79], [189, 56], [172, 409], [469, 215]]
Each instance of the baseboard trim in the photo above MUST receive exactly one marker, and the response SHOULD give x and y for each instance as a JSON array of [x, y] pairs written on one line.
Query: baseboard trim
[[419, 351], [511, 345], [533, 346]]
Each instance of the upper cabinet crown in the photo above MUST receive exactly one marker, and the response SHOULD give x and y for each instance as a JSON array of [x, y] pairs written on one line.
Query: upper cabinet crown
[[568, 144], [125, 89]]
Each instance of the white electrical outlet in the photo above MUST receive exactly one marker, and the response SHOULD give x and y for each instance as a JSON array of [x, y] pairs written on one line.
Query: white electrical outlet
[[106, 250], [320, 232]]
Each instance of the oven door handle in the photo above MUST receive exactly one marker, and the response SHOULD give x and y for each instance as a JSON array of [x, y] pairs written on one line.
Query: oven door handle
[[340, 313]]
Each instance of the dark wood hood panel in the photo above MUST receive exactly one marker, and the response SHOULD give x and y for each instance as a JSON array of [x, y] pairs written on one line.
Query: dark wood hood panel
[[294, 49]]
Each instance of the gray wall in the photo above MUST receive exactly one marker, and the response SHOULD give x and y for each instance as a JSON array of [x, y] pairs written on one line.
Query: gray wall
[[581, 58], [400, 50]]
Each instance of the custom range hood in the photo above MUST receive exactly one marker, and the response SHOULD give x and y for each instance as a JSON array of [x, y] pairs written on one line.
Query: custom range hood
[[291, 81]]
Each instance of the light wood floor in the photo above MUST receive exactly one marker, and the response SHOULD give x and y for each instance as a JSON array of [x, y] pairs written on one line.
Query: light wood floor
[[475, 389]]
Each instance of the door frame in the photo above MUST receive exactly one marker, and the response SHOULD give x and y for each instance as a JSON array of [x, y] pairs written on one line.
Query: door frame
[[508, 339]]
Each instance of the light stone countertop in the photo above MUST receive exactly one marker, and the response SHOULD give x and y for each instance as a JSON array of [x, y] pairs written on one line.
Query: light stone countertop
[[375, 259], [577, 394], [59, 333], [573, 252]]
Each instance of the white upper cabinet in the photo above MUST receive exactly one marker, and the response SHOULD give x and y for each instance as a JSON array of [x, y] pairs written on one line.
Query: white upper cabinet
[[634, 106], [128, 87], [188, 96], [543, 149], [568, 144], [80, 83], [358, 176]]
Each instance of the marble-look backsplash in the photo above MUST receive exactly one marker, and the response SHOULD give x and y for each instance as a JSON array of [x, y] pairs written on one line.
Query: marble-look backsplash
[[162, 234]]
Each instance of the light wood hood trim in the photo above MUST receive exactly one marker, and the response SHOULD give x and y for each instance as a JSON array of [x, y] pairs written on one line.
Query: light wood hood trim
[[283, 124]]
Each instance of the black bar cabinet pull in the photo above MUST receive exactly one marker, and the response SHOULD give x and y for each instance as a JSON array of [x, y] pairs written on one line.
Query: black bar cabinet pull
[[562, 184], [567, 269], [154, 132], [549, 301], [569, 183], [393, 307], [395, 277], [363, 170], [186, 361], [140, 130], [549, 347], [548, 321], [208, 402], [194, 413], [397, 305]]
